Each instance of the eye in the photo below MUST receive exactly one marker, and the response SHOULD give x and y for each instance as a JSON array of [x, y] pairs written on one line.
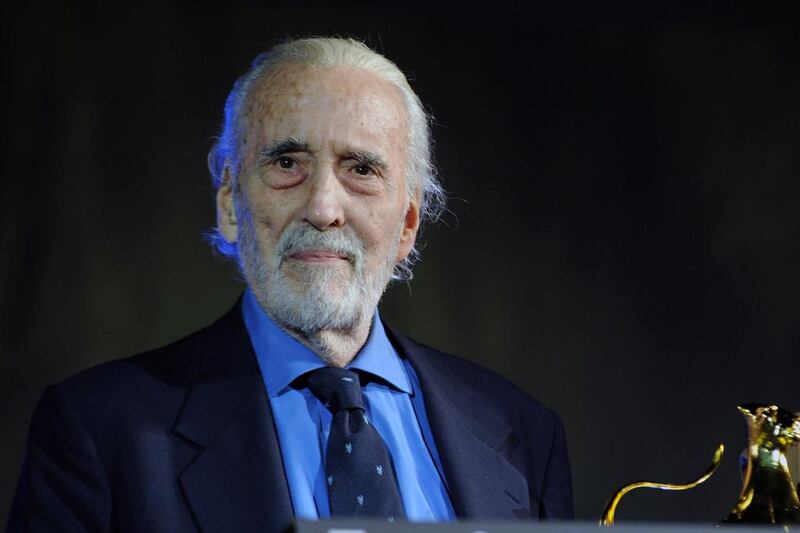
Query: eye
[[285, 162], [362, 169]]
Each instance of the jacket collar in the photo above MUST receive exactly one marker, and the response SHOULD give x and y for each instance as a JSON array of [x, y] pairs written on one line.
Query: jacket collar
[[236, 482], [473, 441]]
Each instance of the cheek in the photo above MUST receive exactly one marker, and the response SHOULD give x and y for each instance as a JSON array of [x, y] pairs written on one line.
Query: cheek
[[381, 229], [263, 213]]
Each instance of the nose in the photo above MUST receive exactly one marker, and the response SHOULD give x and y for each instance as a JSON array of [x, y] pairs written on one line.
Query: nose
[[324, 206]]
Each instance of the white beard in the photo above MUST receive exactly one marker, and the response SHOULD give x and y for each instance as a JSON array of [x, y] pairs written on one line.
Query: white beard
[[316, 297]]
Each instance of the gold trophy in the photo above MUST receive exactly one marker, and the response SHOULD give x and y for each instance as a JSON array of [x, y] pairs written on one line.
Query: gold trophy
[[769, 495]]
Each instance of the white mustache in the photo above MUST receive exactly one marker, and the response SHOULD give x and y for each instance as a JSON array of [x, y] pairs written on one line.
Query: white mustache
[[305, 237]]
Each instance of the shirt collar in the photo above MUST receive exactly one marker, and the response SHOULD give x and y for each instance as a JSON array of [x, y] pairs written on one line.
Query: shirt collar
[[283, 358]]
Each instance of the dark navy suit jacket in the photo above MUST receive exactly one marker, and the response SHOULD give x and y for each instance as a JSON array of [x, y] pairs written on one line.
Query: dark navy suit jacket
[[182, 439]]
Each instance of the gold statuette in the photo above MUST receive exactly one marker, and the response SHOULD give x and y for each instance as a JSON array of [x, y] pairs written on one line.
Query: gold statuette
[[768, 493]]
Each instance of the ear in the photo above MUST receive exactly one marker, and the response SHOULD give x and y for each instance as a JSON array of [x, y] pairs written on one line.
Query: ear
[[408, 235], [226, 208]]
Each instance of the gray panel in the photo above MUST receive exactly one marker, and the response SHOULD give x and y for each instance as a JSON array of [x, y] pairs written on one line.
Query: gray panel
[[355, 526]]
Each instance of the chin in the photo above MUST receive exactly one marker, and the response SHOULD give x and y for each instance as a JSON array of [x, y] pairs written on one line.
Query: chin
[[316, 304]]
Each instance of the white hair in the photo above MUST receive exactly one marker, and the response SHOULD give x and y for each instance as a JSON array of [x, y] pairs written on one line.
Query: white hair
[[421, 180]]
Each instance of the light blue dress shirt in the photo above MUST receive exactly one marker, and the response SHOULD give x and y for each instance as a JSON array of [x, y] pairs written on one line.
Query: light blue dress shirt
[[397, 412]]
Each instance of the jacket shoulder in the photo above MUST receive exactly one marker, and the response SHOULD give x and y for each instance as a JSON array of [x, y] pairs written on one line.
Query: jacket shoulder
[[536, 445], [476, 383], [218, 350], [152, 385]]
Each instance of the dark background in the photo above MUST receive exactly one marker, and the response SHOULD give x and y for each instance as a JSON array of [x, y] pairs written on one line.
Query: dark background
[[623, 242]]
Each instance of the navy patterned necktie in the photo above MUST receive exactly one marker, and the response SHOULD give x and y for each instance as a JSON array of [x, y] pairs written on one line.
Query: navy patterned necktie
[[358, 468]]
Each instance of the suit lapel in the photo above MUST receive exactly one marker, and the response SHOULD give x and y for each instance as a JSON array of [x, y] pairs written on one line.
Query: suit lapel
[[470, 440], [236, 482]]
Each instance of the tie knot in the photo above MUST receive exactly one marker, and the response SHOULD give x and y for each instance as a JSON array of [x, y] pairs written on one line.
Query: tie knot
[[337, 388]]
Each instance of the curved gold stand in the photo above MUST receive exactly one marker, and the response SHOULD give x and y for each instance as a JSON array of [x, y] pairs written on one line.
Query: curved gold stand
[[611, 507]]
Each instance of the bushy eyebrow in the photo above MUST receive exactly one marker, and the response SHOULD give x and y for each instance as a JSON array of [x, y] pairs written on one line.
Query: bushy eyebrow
[[291, 145], [278, 148], [373, 160]]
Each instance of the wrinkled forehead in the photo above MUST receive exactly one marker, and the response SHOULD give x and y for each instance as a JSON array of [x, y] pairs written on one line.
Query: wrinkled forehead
[[301, 97]]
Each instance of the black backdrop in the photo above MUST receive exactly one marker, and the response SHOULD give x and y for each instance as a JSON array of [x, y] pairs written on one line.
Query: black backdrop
[[623, 242]]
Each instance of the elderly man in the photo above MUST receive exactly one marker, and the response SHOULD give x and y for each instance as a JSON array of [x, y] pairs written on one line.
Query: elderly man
[[300, 402]]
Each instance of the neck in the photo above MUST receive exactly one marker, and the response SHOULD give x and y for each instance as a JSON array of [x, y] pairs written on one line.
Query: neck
[[337, 347]]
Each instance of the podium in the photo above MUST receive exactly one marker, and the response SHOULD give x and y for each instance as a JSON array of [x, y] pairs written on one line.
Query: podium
[[369, 526]]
